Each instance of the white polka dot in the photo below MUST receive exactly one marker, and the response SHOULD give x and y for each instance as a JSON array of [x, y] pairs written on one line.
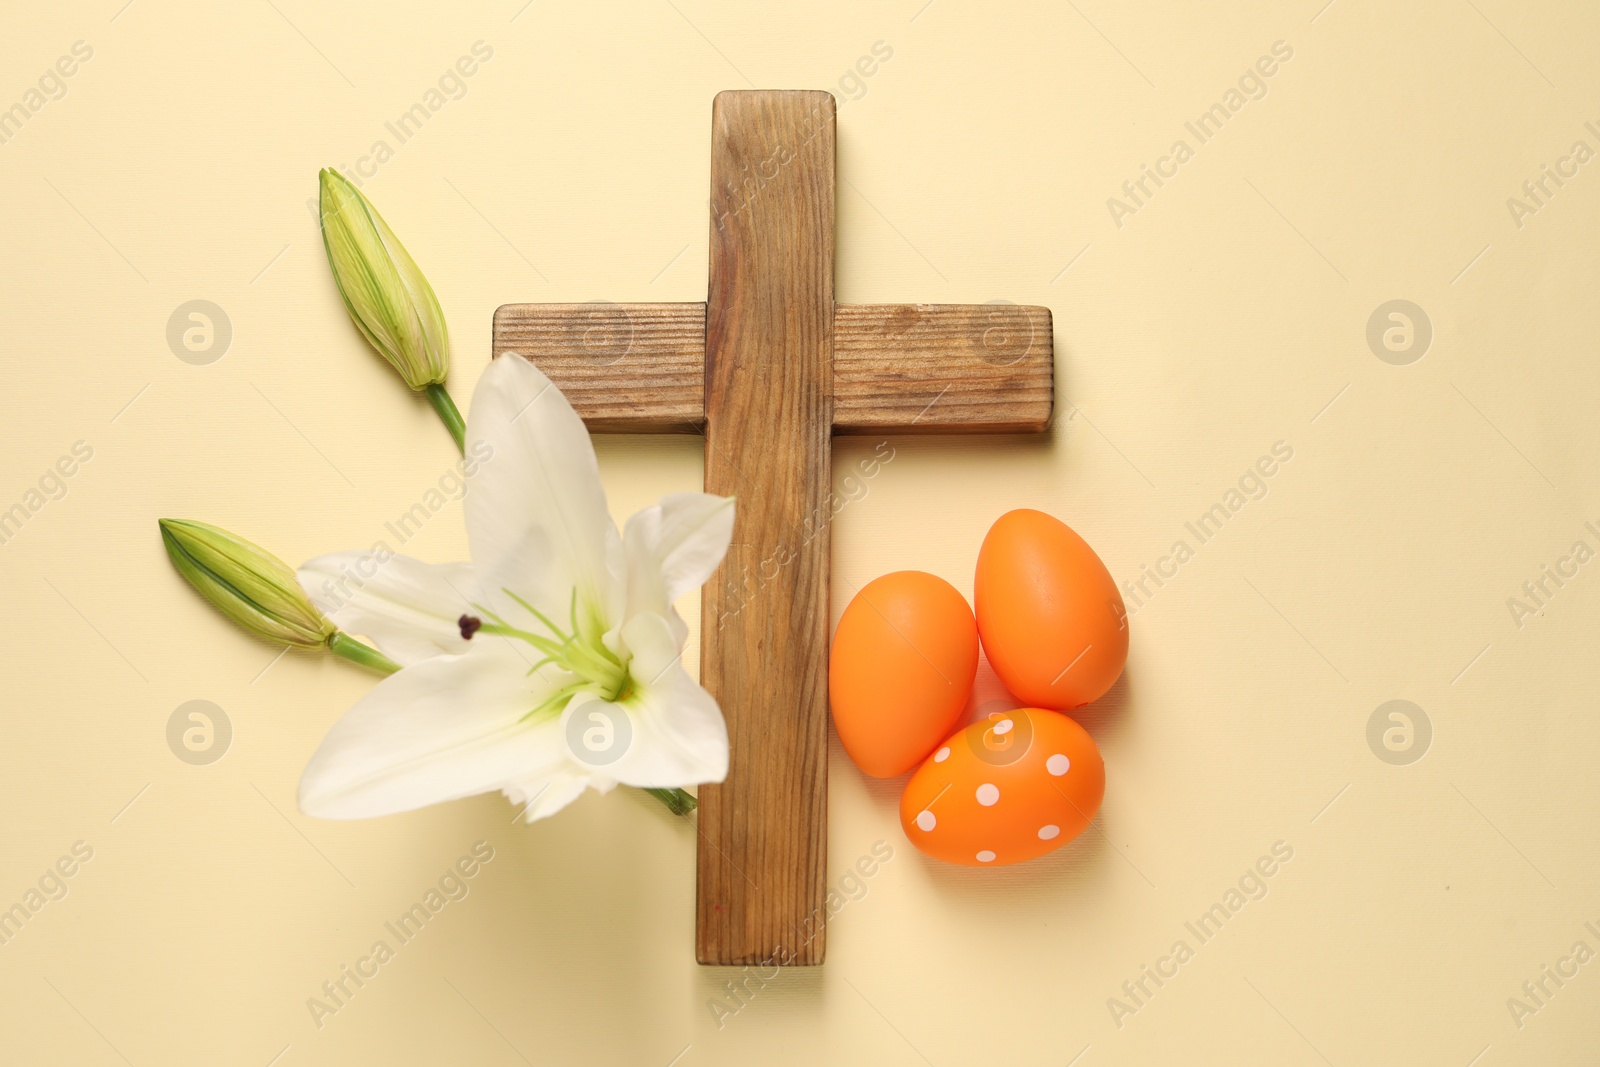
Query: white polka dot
[[1003, 727], [986, 856], [1049, 832], [988, 794], [1058, 765], [926, 821], [942, 755]]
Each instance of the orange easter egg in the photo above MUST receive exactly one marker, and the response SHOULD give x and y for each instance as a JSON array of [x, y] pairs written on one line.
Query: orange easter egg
[[1051, 618], [1004, 790], [903, 659]]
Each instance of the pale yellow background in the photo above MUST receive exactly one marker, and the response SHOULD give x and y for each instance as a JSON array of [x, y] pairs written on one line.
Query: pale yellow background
[[1227, 314]]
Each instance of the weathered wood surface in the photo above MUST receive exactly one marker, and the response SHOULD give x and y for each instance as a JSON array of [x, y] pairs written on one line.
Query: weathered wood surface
[[764, 628], [906, 368], [626, 368], [942, 368]]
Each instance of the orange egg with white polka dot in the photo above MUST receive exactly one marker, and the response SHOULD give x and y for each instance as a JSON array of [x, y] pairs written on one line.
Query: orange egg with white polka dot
[[1006, 789]]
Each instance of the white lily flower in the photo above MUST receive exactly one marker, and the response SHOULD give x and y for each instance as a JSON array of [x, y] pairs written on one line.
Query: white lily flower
[[553, 661]]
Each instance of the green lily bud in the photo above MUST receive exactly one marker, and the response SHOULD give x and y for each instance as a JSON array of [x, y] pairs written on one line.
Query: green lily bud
[[391, 302], [259, 591], [248, 584], [387, 296]]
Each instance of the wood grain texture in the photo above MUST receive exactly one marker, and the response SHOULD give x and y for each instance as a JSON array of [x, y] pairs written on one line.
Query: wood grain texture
[[942, 368], [626, 368], [764, 627], [903, 368]]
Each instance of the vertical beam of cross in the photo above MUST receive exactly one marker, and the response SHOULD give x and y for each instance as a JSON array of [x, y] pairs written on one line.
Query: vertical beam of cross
[[769, 422]]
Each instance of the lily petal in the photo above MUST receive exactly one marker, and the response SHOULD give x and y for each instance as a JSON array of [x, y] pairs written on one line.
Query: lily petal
[[445, 728], [536, 518], [543, 798], [672, 548], [408, 608], [678, 737]]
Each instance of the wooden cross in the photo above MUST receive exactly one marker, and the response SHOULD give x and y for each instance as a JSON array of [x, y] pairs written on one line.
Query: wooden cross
[[768, 369]]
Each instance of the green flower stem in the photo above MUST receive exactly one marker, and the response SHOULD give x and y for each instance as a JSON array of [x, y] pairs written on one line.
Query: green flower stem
[[677, 801], [448, 413], [342, 644]]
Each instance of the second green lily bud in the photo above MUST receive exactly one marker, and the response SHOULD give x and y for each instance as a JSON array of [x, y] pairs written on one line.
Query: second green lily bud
[[250, 585], [386, 294], [258, 591]]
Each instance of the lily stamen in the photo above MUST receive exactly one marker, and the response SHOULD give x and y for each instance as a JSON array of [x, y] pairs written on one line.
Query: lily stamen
[[598, 668]]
